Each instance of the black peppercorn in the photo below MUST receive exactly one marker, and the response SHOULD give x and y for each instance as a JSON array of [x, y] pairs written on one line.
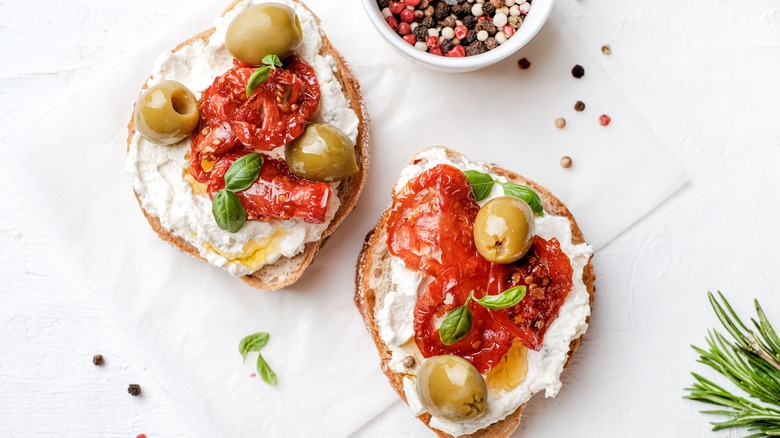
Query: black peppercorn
[[134, 390], [98, 360], [471, 36], [448, 22], [441, 11], [488, 9], [460, 9], [578, 71], [487, 26], [470, 21], [427, 22], [579, 106], [523, 63], [446, 45], [383, 3], [420, 32], [491, 43], [476, 48]]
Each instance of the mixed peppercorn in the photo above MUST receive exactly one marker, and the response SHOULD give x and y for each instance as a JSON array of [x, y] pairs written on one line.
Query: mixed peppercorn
[[455, 28]]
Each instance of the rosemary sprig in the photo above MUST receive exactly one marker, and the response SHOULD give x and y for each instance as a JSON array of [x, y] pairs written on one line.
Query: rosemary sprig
[[752, 363]]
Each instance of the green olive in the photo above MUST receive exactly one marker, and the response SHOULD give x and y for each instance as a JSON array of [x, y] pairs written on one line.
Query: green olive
[[322, 153], [166, 113], [504, 229], [450, 387], [264, 29]]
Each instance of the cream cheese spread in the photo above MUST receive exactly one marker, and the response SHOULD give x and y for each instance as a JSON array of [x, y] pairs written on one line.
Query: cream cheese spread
[[395, 309], [160, 177]]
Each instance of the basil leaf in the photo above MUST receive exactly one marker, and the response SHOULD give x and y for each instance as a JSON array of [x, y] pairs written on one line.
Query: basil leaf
[[266, 373], [243, 172], [253, 343], [526, 194], [456, 325], [228, 211], [272, 61], [257, 78], [504, 300], [481, 183]]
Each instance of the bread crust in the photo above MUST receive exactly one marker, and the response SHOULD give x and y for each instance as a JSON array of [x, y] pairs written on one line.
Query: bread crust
[[374, 255], [287, 271]]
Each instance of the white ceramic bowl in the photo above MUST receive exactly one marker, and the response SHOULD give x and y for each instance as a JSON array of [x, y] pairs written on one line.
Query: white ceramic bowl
[[537, 16]]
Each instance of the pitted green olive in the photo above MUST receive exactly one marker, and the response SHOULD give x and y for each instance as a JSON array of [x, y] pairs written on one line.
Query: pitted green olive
[[264, 29], [166, 113], [322, 153], [504, 229], [451, 387]]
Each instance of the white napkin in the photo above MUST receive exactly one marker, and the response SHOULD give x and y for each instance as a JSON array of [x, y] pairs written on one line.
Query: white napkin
[[187, 317]]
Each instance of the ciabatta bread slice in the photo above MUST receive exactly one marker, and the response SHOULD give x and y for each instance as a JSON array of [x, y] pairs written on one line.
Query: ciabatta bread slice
[[373, 267], [286, 271]]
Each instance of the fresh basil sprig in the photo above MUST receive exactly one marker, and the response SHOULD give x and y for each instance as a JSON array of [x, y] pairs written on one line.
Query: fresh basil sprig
[[526, 194], [504, 300], [457, 323], [482, 184], [243, 172], [255, 342], [228, 211], [261, 74]]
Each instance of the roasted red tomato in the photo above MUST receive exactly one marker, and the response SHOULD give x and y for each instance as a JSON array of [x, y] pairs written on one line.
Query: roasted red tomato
[[277, 193], [431, 224], [547, 273], [487, 341], [274, 115]]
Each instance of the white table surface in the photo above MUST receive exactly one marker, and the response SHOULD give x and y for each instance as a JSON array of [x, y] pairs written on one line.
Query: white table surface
[[706, 76]]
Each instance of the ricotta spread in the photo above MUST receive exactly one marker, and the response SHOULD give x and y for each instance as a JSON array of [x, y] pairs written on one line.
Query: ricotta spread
[[160, 174], [395, 313]]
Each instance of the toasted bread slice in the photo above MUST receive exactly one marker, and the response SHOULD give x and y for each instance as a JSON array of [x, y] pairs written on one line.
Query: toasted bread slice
[[286, 271], [374, 265]]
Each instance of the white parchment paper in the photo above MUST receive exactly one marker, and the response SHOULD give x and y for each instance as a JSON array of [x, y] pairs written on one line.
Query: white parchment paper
[[186, 317]]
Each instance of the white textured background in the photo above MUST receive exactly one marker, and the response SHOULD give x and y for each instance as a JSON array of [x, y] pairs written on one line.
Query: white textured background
[[706, 76]]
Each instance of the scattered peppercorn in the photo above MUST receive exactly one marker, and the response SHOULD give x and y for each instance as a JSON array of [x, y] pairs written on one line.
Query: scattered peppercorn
[[579, 106], [605, 49], [409, 361], [578, 71], [604, 120], [523, 63], [141, 435], [134, 390], [566, 162], [560, 123], [98, 360]]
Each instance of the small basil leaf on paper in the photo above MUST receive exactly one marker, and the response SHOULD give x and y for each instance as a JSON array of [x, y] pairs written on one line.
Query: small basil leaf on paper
[[243, 172], [504, 300], [266, 373], [481, 183], [257, 78], [272, 61], [456, 325], [526, 194], [228, 211], [253, 342]]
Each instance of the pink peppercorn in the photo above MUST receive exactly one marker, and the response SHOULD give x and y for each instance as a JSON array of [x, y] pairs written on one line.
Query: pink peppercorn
[[418, 15], [409, 38], [436, 51], [604, 120], [407, 15], [508, 30], [462, 31], [457, 52], [393, 23], [404, 28], [432, 41], [412, 2], [397, 7]]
